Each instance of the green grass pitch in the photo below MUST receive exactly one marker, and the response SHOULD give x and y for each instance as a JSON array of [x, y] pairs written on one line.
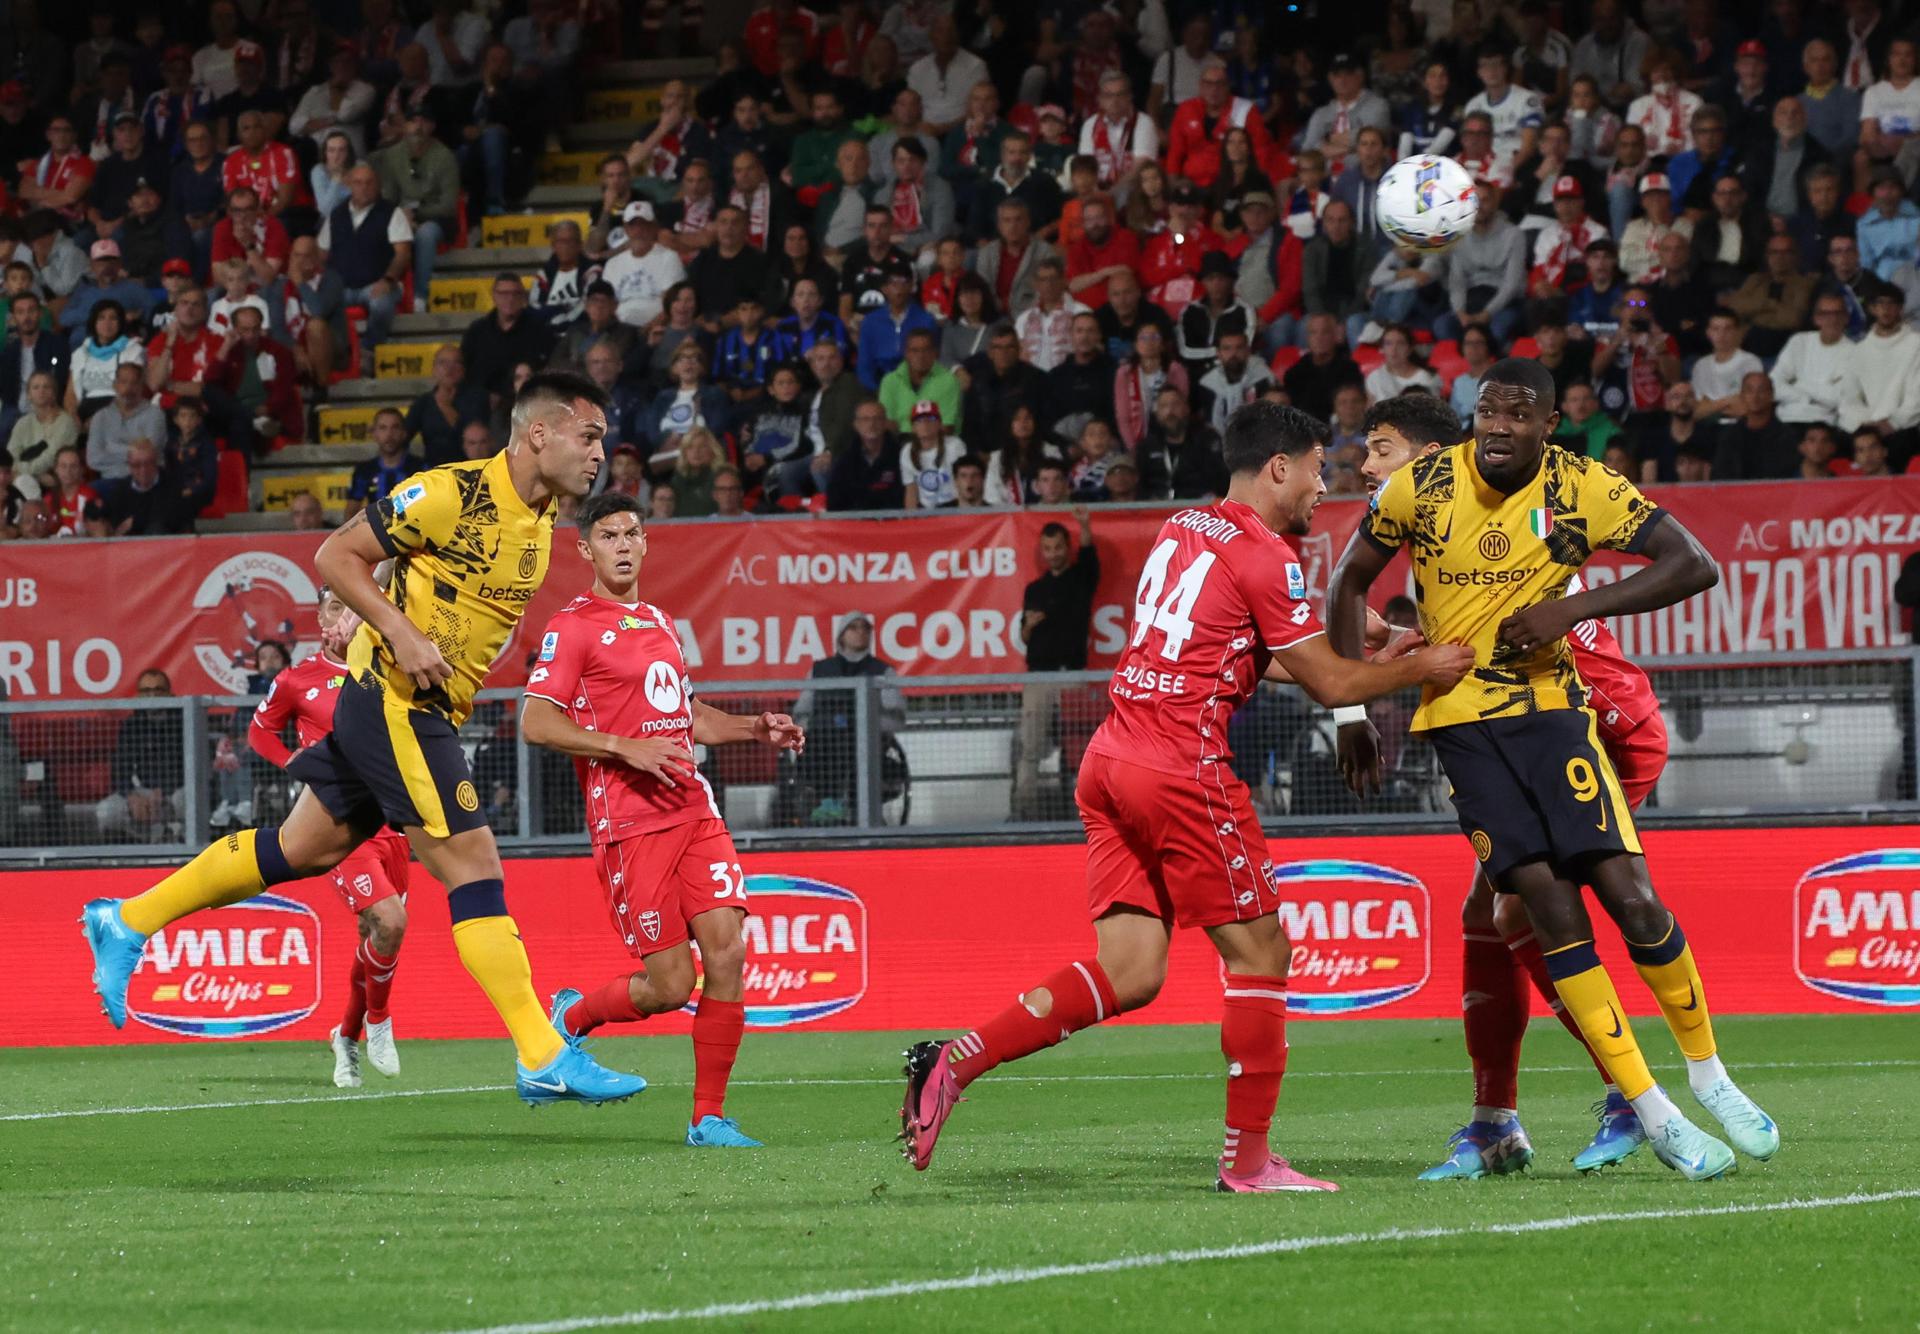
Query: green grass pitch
[[306, 1208]]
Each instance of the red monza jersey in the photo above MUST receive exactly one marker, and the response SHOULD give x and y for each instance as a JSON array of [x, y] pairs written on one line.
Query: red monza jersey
[[619, 669], [1219, 594], [304, 695], [1620, 694]]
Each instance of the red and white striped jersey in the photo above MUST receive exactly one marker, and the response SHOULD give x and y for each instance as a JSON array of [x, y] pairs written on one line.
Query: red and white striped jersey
[[1620, 694]]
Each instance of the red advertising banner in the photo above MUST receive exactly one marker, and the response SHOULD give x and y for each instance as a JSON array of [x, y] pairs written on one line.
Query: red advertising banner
[[1783, 921], [1803, 566]]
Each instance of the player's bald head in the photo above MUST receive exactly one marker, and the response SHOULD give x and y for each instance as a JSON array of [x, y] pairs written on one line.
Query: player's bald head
[[1522, 373]]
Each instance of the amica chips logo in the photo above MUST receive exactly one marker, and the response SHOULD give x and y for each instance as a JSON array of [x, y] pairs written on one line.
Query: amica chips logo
[[1857, 927], [806, 950], [1360, 934], [231, 972]]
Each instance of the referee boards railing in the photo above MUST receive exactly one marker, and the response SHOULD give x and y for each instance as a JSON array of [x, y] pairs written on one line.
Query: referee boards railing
[[1775, 737]]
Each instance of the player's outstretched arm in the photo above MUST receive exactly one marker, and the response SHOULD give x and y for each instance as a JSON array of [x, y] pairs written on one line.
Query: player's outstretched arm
[[1385, 642], [1678, 567], [1335, 682], [544, 723], [711, 727], [1348, 624], [347, 563]]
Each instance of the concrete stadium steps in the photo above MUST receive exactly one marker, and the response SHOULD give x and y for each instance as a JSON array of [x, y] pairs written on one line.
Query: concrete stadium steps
[[355, 390], [490, 260], [435, 324], [564, 198]]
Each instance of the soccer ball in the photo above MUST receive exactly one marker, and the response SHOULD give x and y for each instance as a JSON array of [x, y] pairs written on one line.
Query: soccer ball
[[1427, 203]]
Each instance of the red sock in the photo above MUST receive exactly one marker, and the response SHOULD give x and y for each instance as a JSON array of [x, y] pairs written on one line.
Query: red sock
[[351, 1022], [609, 1004], [717, 1026], [379, 973], [1526, 952], [1493, 1000], [1082, 997], [1253, 1038]]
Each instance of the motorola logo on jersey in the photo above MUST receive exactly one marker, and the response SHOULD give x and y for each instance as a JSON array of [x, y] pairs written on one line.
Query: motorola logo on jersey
[[231, 972], [806, 950], [663, 687], [1360, 934], [1857, 927]]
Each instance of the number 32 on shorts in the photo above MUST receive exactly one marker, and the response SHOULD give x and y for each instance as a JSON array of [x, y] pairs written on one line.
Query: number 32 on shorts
[[730, 878], [1585, 784]]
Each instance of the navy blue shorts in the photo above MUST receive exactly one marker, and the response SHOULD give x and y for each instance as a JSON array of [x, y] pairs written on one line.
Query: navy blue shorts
[[391, 765]]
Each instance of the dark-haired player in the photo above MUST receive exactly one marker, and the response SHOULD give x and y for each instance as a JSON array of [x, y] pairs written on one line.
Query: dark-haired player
[[1172, 837], [469, 543], [610, 689], [1499, 952], [372, 881], [1497, 527]]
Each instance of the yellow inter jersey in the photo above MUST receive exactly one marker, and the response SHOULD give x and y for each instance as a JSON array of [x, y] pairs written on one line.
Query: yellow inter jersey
[[468, 555], [1480, 555]]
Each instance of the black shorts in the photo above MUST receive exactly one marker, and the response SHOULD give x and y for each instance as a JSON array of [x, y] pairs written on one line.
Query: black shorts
[[1537, 787], [391, 765]]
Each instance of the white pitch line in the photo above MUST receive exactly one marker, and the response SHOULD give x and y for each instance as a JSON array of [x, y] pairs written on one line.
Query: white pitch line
[[1000, 1278], [868, 1082]]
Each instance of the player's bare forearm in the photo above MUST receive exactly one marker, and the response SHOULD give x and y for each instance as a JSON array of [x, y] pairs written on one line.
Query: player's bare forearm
[[1360, 564], [348, 562], [1678, 567], [711, 727], [544, 723], [1333, 681]]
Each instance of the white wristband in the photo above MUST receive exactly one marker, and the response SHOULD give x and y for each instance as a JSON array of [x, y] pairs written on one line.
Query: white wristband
[[1349, 713]]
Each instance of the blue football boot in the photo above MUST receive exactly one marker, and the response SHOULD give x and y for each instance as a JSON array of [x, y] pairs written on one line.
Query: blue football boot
[[563, 1000], [574, 1076], [1483, 1148], [1618, 1139], [719, 1132], [116, 955]]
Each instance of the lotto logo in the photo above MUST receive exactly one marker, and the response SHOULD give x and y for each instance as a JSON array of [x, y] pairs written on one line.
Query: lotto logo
[[1359, 932]]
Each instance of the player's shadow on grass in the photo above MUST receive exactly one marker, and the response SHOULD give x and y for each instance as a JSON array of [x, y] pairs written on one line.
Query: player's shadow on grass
[[625, 1145]]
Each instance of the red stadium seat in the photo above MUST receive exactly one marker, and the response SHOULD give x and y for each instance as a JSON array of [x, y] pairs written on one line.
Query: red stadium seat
[[1283, 359], [231, 495], [1524, 347], [1366, 357]]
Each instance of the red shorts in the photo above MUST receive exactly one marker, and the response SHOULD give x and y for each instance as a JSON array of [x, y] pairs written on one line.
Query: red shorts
[[375, 870], [1186, 850], [1639, 758], [656, 883]]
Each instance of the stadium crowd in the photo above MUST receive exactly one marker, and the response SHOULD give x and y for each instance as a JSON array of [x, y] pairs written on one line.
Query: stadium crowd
[[941, 255]]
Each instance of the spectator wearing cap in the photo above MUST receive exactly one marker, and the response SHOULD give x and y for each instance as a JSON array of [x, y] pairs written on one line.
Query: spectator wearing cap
[[1016, 177], [921, 378], [1890, 108], [599, 321], [454, 38], [251, 93], [149, 235], [1560, 247], [1200, 126], [130, 415], [922, 205], [1170, 261], [1046, 327], [1334, 271], [177, 102], [1666, 112], [377, 478], [1334, 127], [369, 243], [1812, 370], [1214, 312], [260, 375], [1775, 302], [1747, 97], [642, 273], [1883, 383], [441, 415], [1640, 242], [106, 280], [906, 119], [1730, 242], [420, 178], [866, 474], [269, 167], [60, 179], [342, 103], [504, 338], [249, 245], [928, 457]]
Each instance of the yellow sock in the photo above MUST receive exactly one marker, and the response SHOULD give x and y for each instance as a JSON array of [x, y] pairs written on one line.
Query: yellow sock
[[1587, 992], [225, 872], [491, 950], [1668, 970]]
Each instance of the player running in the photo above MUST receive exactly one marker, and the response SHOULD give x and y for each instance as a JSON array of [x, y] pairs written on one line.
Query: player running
[[372, 881], [1172, 838], [610, 689], [1500, 953], [1497, 527], [469, 543]]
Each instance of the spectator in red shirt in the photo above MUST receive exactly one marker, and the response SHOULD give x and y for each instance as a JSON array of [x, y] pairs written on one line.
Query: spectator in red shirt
[[764, 27], [179, 360], [249, 247], [1102, 252], [846, 42], [270, 168], [1170, 267], [59, 179], [1201, 124], [71, 499]]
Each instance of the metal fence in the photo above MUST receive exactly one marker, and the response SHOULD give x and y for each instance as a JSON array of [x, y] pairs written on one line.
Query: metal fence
[[963, 756]]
